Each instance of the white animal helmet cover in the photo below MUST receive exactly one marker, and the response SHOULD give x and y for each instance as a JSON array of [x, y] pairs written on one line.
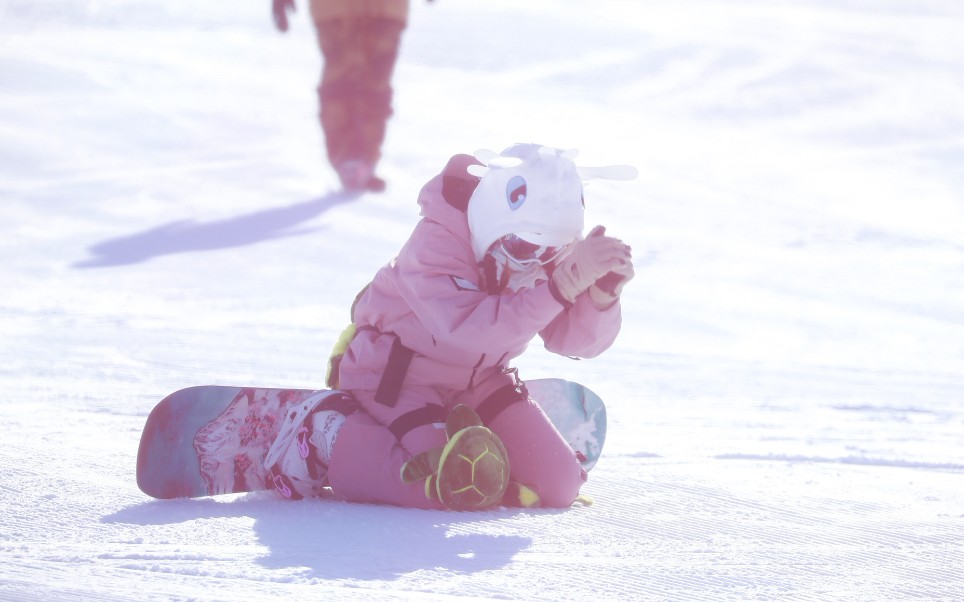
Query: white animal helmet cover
[[532, 191]]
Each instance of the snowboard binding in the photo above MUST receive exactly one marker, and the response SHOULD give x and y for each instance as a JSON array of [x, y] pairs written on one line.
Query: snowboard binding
[[297, 461]]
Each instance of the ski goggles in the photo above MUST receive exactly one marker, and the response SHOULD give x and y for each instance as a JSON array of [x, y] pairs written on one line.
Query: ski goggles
[[524, 253]]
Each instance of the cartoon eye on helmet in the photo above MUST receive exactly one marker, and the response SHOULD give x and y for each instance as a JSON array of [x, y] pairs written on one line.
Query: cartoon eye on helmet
[[515, 192], [532, 192]]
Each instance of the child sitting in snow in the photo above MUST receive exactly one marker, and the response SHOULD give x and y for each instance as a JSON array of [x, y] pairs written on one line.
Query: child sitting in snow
[[497, 258]]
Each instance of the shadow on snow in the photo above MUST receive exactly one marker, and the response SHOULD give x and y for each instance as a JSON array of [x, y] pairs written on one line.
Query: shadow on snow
[[342, 540], [187, 235]]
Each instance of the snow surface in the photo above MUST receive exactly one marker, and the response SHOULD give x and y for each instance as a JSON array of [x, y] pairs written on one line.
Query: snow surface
[[787, 396]]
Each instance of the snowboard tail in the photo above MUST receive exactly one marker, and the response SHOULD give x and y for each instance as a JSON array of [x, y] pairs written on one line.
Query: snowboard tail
[[212, 440]]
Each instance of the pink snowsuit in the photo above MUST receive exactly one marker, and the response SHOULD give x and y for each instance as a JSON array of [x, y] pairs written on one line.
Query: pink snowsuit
[[429, 337]]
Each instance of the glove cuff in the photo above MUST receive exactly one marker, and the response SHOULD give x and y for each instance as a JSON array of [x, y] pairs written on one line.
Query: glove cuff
[[557, 294], [601, 299]]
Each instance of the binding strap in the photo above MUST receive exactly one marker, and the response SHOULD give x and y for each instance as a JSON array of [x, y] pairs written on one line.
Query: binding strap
[[427, 414], [500, 399]]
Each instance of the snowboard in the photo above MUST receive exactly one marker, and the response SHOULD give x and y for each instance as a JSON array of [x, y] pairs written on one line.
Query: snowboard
[[211, 440]]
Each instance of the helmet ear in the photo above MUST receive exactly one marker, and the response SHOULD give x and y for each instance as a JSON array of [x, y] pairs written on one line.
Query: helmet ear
[[457, 183]]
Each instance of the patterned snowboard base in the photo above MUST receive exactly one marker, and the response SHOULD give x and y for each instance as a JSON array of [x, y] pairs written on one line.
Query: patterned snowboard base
[[231, 428]]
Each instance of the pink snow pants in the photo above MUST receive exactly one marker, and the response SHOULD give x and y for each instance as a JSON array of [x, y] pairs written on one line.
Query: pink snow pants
[[367, 457]]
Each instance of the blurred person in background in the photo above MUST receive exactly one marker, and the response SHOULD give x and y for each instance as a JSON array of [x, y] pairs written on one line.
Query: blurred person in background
[[359, 41]]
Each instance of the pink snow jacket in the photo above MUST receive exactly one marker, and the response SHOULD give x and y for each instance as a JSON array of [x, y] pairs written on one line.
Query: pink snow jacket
[[432, 299]]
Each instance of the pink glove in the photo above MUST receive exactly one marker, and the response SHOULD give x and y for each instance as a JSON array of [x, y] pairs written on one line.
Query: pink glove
[[280, 10], [591, 259]]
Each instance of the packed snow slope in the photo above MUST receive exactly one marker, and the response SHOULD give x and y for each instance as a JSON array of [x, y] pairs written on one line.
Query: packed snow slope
[[787, 395]]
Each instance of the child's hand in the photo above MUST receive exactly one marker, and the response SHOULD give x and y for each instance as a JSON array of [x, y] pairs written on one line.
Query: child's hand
[[590, 260], [606, 290]]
